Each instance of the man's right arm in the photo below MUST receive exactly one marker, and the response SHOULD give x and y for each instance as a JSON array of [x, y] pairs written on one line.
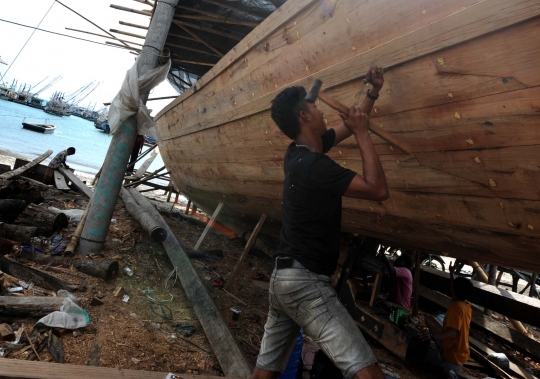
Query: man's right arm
[[373, 185]]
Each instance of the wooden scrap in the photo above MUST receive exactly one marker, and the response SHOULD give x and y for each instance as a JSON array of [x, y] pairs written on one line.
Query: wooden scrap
[[31, 343], [76, 182], [29, 306], [6, 333], [119, 292], [56, 347], [248, 247], [20, 170], [39, 278]]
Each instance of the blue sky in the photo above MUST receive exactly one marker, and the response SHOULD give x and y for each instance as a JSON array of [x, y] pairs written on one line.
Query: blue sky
[[77, 61]]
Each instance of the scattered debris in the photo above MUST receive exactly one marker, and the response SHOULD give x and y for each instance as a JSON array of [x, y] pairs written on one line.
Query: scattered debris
[[119, 292], [6, 333], [184, 328]]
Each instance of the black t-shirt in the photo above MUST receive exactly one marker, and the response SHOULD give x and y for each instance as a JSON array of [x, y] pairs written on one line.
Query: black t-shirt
[[312, 191]]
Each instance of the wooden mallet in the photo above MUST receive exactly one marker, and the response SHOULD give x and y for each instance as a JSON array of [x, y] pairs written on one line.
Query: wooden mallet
[[315, 93]]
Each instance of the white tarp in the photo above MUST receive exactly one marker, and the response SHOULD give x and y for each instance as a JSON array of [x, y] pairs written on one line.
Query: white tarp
[[128, 103]]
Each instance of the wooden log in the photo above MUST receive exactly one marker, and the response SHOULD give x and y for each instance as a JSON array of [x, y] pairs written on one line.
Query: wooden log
[[22, 189], [510, 304], [76, 182], [40, 216], [230, 356], [23, 234], [19, 369], [20, 170], [39, 278], [10, 209], [33, 306], [507, 335], [249, 245], [99, 268], [72, 245], [148, 223]]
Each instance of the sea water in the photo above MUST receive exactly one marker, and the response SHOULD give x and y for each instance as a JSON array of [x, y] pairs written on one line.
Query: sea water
[[91, 144]]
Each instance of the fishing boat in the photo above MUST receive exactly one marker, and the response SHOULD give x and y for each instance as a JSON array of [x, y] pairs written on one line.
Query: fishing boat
[[40, 128], [461, 90]]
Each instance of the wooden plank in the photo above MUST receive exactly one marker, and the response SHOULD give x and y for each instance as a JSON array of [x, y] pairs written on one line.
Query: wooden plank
[[376, 289], [11, 174], [60, 181], [208, 226], [513, 367], [76, 182], [507, 335], [19, 369], [228, 353], [510, 304], [249, 245], [454, 29]]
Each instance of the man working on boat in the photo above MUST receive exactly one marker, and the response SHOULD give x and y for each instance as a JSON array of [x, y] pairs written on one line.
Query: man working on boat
[[59, 159], [301, 293]]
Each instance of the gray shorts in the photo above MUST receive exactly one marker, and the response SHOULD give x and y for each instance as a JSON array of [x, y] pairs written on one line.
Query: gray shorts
[[300, 298]]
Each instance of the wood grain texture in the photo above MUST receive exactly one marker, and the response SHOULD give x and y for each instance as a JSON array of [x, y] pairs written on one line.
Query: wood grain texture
[[462, 90]]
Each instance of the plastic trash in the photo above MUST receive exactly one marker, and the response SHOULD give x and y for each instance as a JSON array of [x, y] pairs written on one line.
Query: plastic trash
[[500, 359], [295, 359], [128, 271], [70, 316]]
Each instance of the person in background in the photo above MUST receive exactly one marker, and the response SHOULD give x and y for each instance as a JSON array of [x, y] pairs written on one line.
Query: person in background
[[59, 160], [452, 336], [402, 280]]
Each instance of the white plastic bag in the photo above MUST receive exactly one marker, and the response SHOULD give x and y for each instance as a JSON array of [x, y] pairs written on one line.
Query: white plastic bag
[[128, 103], [70, 316], [74, 215]]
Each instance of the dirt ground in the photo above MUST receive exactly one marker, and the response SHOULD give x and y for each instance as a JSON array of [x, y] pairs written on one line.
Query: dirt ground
[[139, 334]]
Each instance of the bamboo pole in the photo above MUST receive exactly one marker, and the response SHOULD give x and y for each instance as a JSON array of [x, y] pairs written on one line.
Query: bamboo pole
[[208, 30], [124, 47], [121, 8], [74, 242], [484, 278], [127, 33], [191, 49], [200, 39], [133, 25], [104, 36], [193, 62]]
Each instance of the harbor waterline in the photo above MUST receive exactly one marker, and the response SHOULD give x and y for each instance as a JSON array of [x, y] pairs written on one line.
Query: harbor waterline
[[91, 144]]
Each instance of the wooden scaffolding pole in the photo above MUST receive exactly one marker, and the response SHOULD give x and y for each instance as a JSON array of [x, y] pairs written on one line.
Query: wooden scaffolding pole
[[106, 194], [200, 39]]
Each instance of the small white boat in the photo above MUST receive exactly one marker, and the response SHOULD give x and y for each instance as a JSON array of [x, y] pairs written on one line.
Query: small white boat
[[40, 128]]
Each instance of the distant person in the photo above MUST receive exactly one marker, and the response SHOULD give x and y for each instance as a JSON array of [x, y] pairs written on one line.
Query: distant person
[[59, 160], [452, 336], [402, 280], [137, 148]]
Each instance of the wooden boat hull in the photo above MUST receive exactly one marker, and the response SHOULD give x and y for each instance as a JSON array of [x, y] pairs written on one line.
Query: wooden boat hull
[[40, 128], [461, 88]]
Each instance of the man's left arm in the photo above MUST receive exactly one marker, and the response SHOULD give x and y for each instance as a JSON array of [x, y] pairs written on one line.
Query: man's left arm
[[375, 75]]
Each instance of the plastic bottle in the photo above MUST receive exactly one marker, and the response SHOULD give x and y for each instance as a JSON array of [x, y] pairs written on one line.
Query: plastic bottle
[[291, 371]]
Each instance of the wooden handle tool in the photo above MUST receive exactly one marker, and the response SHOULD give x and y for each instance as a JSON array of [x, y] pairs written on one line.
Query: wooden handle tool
[[335, 104]]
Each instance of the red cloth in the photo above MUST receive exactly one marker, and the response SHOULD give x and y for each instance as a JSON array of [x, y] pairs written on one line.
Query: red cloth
[[402, 290]]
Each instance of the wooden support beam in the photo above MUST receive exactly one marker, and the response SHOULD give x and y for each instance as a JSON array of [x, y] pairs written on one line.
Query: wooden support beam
[[76, 182], [376, 289], [510, 304], [104, 36], [484, 349], [532, 290], [416, 283], [124, 47], [200, 39], [193, 62], [208, 226], [492, 280], [133, 25], [127, 33], [208, 30], [228, 354], [232, 7], [189, 38], [249, 245], [506, 335], [192, 49], [12, 174], [19, 369], [121, 8], [222, 19]]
